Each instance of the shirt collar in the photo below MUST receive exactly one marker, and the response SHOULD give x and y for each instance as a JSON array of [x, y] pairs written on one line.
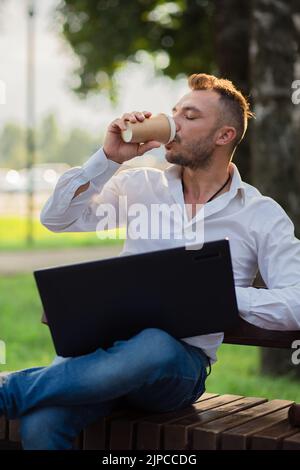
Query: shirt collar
[[173, 174]]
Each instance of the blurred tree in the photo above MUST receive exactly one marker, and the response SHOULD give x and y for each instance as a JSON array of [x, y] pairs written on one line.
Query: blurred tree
[[53, 144], [12, 146], [275, 143], [183, 37], [177, 34], [231, 43], [77, 147], [49, 139]]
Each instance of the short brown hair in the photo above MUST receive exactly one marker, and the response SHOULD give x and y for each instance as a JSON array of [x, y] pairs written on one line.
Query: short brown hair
[[234, 102]]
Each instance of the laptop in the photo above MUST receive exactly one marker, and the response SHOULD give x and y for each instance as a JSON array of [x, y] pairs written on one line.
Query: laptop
[[185, 292]]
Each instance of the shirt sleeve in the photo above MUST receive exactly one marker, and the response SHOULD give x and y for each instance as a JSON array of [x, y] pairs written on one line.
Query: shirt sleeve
[[62, 213], [278, 306]]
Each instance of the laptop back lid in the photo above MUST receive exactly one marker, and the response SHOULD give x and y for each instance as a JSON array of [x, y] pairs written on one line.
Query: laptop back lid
[[182, 291]]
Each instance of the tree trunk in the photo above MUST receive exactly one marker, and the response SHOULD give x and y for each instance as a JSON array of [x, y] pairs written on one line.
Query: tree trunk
[[231, 42], [274, 143]]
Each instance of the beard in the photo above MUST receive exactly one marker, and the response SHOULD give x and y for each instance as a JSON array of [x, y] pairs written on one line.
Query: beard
[[194, 154]]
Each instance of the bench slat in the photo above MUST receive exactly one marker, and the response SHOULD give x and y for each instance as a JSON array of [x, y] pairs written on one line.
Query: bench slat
[[292, 442], [239, 438], [150, 432], [124, 431], [208, 436], [179, 436], [271, 438], [14, 430], [249, 335], [3, 428], [96, 436]]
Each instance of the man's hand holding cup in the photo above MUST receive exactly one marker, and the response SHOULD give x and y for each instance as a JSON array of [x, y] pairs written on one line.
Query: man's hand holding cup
[[116, 149]]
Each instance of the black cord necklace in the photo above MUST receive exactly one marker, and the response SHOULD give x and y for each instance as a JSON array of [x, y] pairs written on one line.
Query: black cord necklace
[[219, 190]]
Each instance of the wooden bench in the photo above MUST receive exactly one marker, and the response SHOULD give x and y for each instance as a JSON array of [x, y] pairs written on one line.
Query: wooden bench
[[213, 422]]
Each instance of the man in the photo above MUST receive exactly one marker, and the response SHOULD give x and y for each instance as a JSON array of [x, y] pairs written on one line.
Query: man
[[153, 370]]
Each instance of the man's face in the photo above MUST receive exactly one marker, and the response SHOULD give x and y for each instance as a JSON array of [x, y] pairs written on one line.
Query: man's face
[[197, 121]]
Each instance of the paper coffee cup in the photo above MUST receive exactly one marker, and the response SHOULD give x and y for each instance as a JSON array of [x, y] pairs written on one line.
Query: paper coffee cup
[[161, 128]]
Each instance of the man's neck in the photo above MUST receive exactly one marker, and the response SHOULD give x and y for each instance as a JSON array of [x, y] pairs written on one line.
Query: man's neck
[[201, 184]]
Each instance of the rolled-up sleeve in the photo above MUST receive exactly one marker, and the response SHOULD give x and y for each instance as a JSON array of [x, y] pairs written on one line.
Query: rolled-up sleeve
[[63, 213], [278, 306]]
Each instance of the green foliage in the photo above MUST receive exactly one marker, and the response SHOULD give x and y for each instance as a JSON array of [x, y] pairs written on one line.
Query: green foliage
[[52, 144], [78, 147], [49, 139], [12, 146], [105, 34], [237, 371]]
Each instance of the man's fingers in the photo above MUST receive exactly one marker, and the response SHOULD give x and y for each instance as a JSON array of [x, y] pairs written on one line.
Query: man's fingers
[[131, 117], [120, 124], [136, 116], [143, 148]]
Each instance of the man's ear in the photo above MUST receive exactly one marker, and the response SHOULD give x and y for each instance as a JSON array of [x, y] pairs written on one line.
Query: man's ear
[[226, 135]]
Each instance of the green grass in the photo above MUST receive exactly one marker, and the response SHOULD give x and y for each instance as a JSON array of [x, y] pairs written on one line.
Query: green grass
[[13, 236], [237, 372], [29, 344]]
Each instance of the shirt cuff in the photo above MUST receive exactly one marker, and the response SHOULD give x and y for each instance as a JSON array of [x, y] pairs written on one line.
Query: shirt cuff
[[243, 300], [98, 163]]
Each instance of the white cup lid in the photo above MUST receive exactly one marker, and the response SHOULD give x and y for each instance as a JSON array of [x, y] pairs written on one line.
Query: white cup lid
[[127, 134], [172, 128]]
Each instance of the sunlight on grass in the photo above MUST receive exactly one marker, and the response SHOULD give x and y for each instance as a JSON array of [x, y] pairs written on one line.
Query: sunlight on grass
[[13, 236]]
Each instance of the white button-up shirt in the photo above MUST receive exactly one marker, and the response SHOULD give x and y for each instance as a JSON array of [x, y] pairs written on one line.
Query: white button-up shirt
[[261, 235]]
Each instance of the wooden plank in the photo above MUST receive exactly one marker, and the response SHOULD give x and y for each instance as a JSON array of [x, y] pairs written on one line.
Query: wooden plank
[[78, 442], [179, 435], [207, 396], [239, 438], [150, 432], [96, 435], [14, 430], [8, 445], [271, 438], [249, 335], [3, 428], [208, 436], [124, 432], [292, 442]]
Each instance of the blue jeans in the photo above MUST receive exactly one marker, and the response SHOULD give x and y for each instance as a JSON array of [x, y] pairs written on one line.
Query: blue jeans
[[151, 371]]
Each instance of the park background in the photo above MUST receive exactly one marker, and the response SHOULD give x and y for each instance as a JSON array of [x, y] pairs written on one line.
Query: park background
[[67, 68]]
